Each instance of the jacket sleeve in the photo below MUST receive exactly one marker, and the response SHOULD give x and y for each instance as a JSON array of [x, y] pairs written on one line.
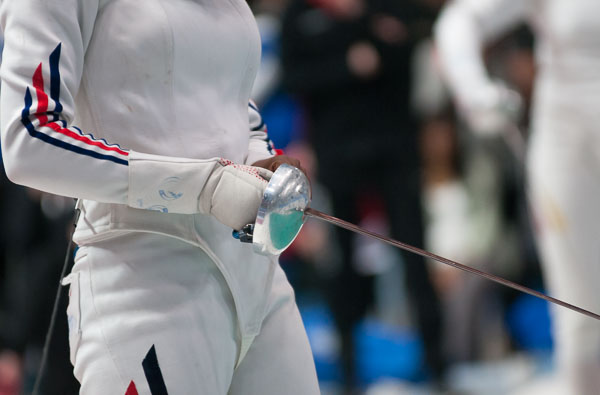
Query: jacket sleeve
[[43, 58], [260, 146], [463, 28]]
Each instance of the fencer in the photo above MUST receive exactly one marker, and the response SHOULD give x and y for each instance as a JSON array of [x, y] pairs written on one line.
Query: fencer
[[132, 107], [563, 158]]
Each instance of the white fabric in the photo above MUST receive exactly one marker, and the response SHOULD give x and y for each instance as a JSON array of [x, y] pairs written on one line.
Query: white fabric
[[564, 159], [447, 209], [170, 186], [564, 164], [145, 290]]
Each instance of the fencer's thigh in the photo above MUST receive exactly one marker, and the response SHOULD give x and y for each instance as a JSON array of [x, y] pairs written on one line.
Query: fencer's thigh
[[564, 179], [150, 312], [279, 360]]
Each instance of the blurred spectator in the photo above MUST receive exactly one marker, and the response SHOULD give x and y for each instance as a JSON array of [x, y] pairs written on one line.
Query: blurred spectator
[[470, 217], [465, 223], [349, 61]]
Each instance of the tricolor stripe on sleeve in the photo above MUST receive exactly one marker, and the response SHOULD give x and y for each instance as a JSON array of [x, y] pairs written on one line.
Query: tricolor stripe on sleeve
[[55, 131], [258, 126], [256, 121]]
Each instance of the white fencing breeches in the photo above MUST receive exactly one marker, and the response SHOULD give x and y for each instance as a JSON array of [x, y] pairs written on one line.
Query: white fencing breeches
[[151, 314], [564, 177]]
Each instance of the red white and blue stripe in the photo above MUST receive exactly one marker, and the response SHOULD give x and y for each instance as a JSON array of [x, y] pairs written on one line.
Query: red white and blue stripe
[[55, 131], [257, 124], [153, 374]]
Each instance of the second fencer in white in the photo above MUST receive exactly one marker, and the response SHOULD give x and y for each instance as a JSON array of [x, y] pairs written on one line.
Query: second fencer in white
[[564, 152]]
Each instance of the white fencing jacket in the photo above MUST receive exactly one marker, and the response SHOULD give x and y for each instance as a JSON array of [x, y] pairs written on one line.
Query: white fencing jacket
[[107, 100]]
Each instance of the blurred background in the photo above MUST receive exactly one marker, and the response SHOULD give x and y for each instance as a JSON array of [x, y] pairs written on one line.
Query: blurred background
[[354, 90]]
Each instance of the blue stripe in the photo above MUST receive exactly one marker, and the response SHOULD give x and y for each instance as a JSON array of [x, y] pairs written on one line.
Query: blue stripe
[[28, 102], [262, 122], [269, 145], [55, 80], [153, 373], [92, 136], [70, 147], [259, 127], [59, 143]]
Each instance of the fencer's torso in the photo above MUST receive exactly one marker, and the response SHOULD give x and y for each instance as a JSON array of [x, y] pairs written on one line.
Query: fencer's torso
[[174, 78], [171, 77]]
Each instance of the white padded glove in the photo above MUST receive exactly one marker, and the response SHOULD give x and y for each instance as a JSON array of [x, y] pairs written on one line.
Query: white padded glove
[[230, 192], [233, 193], [494, 110]]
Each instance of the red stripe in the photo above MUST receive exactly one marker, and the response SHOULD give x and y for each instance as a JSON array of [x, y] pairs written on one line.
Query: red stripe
[[42, 97], [131, 390], [278, 152], [67, 132]]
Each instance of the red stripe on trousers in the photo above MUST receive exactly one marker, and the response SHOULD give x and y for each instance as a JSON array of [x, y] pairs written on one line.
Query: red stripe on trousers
[[131, 390]]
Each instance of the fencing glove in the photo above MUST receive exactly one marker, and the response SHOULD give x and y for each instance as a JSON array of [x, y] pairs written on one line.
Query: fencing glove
[[230, 192]]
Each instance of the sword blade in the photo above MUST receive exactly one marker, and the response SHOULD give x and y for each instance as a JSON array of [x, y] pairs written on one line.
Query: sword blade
[[354, 228]]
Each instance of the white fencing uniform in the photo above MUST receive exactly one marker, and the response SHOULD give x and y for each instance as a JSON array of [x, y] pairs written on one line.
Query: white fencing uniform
[[564, 152], [131, 106]]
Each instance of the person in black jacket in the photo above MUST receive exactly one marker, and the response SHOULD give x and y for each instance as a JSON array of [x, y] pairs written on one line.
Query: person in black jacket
[[349, 61]]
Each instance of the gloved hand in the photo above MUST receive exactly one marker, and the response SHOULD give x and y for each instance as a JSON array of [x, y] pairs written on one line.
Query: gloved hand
[[493, 110], [233, 193], [230, 192]]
